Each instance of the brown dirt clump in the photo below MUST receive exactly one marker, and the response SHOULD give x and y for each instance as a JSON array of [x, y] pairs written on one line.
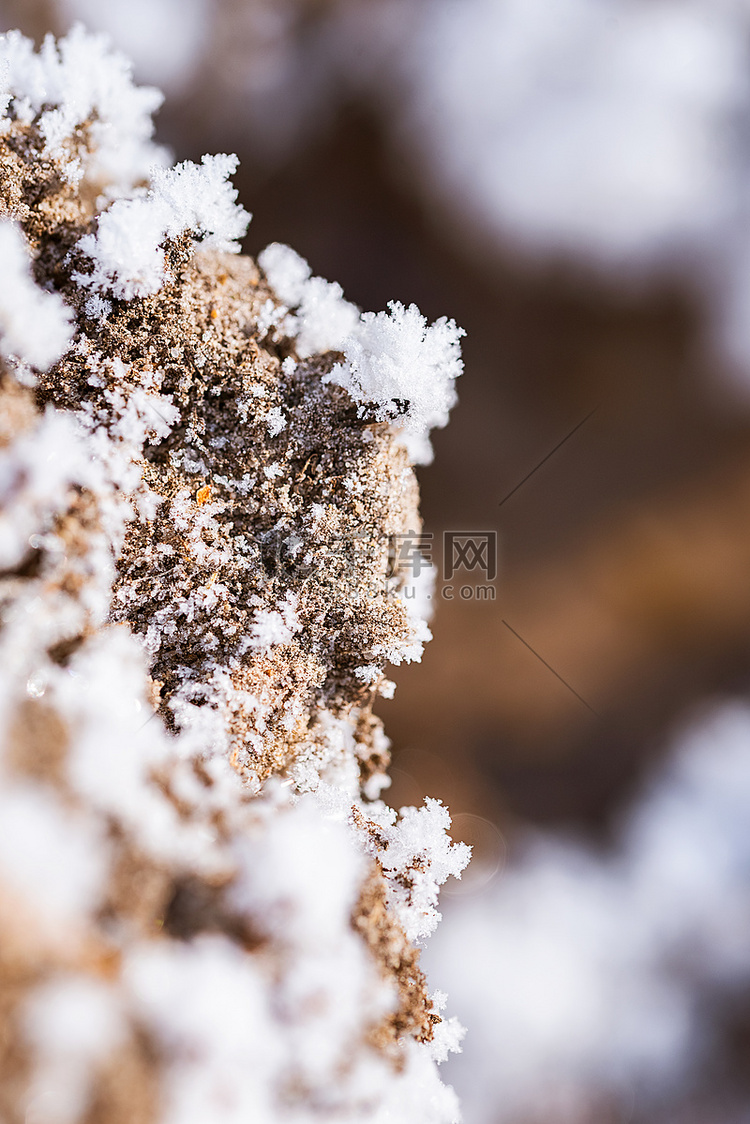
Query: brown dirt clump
[[196, 624]]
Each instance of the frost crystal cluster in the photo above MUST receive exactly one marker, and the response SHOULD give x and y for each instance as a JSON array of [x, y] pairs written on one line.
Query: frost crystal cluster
[[207, 913]]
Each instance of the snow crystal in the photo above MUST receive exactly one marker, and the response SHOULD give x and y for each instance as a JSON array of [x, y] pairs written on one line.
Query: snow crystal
[[275, 421], [368, 673], [287, 272], [322, 319], [127, 250], [269, 628], [275, 626], [80, 81], [393, 359], [97, 308], [35, 326], [418, 858], [396, 360], [448, 1034]]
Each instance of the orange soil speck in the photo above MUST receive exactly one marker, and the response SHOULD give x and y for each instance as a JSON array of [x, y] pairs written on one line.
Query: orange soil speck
[[203, 494]]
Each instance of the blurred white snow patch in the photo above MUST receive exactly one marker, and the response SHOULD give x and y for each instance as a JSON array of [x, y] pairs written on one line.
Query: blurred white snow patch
[[299, 882], [73, 1022], [688, 847], [112, 752], [610, 135], [56, 857], [36, 474], [209, 1008], [303, 878], [600, 129], [35, 326], [596, 976], [141, 28]]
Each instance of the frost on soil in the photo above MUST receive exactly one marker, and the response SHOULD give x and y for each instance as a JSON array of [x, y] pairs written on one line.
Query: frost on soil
[[206, 911]]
